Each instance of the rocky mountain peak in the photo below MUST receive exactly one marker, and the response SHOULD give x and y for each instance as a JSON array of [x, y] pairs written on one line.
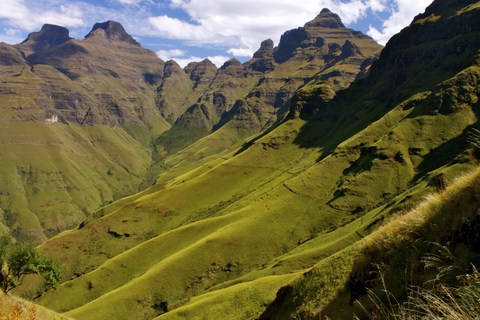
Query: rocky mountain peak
[[201, 72], [49, 36], [326, 19], [265, 48], [232, 67], [231, 62], [111, 30]]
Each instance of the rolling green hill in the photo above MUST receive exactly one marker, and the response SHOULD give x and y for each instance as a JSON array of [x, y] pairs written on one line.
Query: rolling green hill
[[279, 227]]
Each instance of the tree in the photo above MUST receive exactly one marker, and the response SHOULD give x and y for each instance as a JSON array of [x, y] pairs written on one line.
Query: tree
[[20, 261]]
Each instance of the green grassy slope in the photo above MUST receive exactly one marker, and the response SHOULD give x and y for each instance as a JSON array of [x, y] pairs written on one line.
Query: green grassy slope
[[272, 229], [275, 208], [53, 176]]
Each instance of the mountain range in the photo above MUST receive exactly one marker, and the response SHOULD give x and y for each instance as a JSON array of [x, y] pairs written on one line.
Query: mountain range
[[121, 115], [273, 189]]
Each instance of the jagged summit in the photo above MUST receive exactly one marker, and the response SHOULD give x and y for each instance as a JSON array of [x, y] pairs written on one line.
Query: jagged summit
[[326, 19], [111, 30], [49, 36], [326, 30], [265, 48]]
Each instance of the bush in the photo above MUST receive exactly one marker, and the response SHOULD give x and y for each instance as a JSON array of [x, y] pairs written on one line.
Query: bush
[[16, 263]]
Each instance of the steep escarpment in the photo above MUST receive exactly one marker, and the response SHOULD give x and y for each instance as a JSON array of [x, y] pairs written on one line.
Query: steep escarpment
[[49, 36], [435, 40]]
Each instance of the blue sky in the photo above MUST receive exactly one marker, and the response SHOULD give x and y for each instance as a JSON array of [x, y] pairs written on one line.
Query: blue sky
[[192, 30]]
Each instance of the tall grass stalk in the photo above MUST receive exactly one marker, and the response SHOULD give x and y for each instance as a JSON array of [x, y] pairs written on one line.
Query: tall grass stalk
[[440, 303]]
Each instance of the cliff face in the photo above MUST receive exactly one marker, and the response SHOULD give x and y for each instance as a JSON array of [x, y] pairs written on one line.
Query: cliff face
[[49, 36], [107, 78]]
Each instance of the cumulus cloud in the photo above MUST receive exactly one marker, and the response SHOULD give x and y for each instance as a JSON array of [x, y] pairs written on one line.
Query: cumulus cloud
[[166, 55], [173, 28], [67, 16], [403, 13], [241, 52], [13, 9], [34, 16]]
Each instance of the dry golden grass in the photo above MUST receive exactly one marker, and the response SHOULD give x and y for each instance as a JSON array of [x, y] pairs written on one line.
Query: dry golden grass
[[439, 213], [13, 308]]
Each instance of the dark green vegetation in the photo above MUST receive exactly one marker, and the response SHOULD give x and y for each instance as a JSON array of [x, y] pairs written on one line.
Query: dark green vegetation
[[18, 262], [287, 223]]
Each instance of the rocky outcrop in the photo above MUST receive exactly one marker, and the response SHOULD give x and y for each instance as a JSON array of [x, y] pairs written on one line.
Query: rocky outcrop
[[111, 30], [263, 60], [49, 36], [312, 101], [326, 19]]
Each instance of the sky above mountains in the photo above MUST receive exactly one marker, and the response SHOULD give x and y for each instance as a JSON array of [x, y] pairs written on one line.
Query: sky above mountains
[[192, 30]]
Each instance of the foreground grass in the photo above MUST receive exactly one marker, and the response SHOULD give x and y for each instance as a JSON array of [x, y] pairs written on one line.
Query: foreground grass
[[426, 258], [13, 308], [453, 303]]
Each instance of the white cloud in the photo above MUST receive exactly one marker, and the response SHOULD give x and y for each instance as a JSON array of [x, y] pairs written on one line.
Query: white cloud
[[166, 55], [130, 2], [12, 32], [66, 16], [180, 57], [241, 52], [219, 60], [173, 28], [13, 9], [33, 17], [402, 14]]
